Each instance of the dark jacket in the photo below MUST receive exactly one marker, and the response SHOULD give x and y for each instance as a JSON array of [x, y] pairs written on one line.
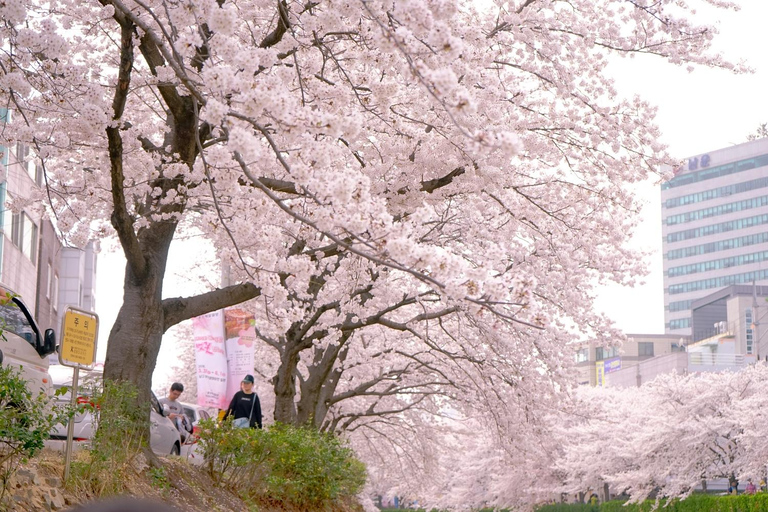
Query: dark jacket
[[241, 405]]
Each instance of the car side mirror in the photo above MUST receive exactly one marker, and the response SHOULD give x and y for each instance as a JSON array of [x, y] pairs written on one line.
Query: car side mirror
[[166, 410], [49, 342]]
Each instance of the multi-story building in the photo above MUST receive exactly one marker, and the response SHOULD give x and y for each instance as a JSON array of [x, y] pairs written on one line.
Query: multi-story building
[[730, 329], [714, 228], [732, 323], [595, 362], [33, 261], [19, 177], [48, 267]]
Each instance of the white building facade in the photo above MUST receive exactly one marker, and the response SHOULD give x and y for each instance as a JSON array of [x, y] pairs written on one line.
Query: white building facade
[[33, 261], [714, 228], [20, 176]]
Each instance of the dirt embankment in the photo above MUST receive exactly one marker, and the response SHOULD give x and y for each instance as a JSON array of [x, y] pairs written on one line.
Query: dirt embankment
[[38, 486]]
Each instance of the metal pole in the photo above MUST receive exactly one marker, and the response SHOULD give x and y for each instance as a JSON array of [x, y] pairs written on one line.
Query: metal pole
[[71, 425]]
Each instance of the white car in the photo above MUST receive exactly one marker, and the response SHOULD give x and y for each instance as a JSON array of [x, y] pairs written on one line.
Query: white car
[[22, 346], [163, 439], [190, 449]]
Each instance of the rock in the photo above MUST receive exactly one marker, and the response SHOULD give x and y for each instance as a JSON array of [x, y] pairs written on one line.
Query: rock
[[53, 481], [54, 500], [27, 476], [140, 463]]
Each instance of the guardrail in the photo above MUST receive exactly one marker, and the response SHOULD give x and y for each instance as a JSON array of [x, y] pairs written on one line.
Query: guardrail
[[714, 359]]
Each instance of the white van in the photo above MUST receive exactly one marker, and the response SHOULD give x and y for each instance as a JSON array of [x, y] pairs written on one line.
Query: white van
[[21, 344]]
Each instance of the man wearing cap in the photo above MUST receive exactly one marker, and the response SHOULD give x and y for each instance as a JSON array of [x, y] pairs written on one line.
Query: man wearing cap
[[245, 406]]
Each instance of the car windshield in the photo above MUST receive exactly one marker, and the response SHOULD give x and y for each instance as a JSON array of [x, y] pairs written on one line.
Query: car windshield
[[13, 320]]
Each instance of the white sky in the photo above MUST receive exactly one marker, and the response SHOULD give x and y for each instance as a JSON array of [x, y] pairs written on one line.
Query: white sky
[[698, 112]]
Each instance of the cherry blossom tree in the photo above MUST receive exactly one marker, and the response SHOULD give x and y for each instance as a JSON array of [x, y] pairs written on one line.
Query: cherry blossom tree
[[667, 436], [451, 177]]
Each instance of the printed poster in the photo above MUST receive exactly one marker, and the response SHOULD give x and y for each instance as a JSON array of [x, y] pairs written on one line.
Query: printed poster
[[211, 360], [240, 335]]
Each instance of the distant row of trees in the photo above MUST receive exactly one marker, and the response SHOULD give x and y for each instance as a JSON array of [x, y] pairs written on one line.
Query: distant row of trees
[[660, 440]]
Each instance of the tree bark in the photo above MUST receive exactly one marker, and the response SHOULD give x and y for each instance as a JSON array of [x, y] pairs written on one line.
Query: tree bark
[[285, 386], [320, 385], [135, 338]]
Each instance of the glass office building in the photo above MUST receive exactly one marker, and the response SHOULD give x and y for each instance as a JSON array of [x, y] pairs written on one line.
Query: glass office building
[[714, 227]]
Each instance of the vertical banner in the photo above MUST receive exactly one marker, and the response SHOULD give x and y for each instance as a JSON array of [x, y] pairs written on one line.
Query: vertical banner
[[240, 335], [600, 373], [211, 360]]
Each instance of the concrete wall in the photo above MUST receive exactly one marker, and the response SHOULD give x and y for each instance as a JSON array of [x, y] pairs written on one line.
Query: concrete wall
[[646, 371]]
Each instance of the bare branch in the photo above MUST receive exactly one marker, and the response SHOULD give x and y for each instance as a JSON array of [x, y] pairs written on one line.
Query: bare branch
[[178, 309], [121, 220], [283, 24]]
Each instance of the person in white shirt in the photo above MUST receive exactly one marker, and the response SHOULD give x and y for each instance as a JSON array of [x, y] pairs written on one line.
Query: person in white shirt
[[177, 411]]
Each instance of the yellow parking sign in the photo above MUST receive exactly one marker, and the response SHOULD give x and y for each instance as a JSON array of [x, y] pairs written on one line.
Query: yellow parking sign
[[78, 340]]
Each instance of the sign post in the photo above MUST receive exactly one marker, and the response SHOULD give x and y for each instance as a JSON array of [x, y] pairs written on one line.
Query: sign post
[[77, 350]]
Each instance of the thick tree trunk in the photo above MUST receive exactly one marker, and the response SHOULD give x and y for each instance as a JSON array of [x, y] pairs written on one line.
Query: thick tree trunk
[[318, 389], [135, 338], [285, 386]]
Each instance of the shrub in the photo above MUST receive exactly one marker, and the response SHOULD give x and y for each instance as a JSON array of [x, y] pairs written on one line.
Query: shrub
[[121, 429], [294, 466], [233, 456], [694, 503]]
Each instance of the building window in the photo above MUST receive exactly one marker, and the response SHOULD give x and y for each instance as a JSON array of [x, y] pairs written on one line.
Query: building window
[[681, 305], [38, 173], [755, 202], [718, 282], [55, 294], [605, 352], [24, 235], [725, 191], [645, 348], [713, 172], [582, 355], [15, 220], [680, 323], [714, 229], [748, 334], [29, 163], [49, 282], [722, 245], [706, 266]]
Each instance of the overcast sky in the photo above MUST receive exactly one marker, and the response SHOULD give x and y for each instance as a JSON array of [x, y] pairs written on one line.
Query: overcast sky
[[698, 112]]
